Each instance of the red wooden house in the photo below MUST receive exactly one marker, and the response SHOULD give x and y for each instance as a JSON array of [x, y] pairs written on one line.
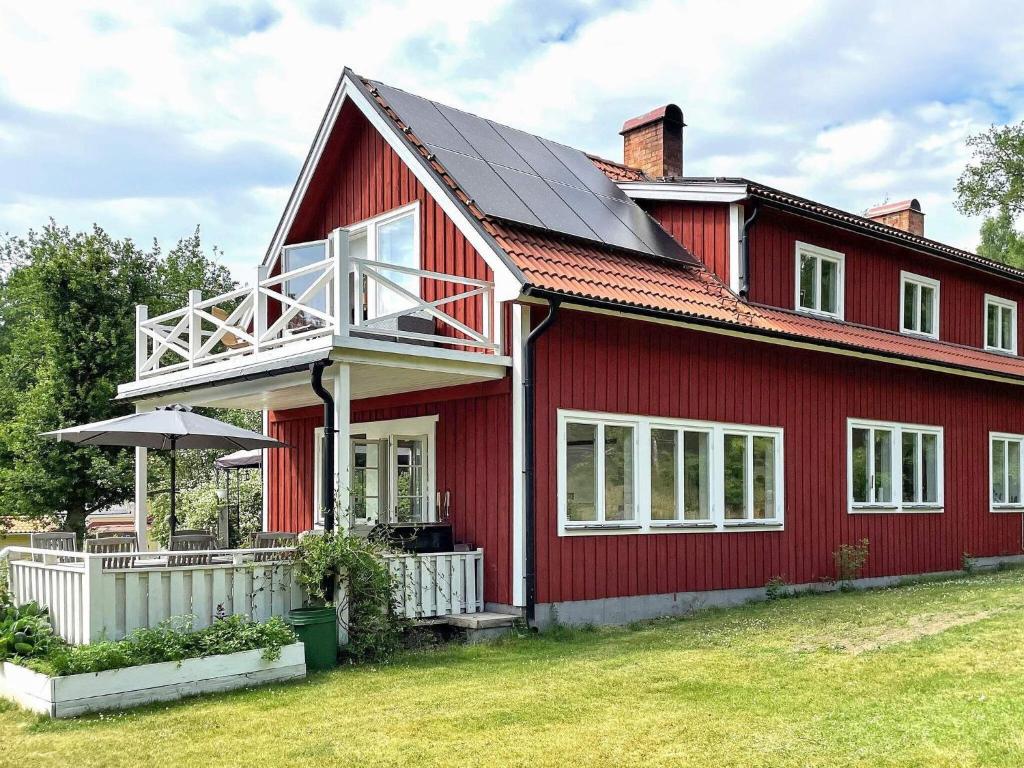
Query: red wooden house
[[596, 391]]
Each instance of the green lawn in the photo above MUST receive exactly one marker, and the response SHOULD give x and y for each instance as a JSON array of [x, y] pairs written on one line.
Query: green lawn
[[925, 675]]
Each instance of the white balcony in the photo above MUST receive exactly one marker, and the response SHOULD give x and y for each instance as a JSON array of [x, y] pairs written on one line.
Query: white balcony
[[325, 297]]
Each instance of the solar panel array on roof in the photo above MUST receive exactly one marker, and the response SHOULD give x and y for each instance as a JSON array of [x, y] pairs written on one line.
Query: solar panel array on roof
[[516, 176]]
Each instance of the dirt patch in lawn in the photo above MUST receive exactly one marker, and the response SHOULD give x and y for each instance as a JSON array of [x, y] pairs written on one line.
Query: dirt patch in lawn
[[858, 640]]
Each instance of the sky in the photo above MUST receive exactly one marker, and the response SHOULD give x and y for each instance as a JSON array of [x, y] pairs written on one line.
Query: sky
[[152, 118]]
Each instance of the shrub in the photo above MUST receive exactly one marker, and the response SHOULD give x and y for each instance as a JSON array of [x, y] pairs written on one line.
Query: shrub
[[5, 589], [171, 640], [25, 631], [375, 631], [776, 588], [850, 560]]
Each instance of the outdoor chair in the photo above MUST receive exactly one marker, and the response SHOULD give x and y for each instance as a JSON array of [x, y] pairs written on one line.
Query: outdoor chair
[[229, 340], [61, 542], [191, 542], [115, 544], [271, 540]]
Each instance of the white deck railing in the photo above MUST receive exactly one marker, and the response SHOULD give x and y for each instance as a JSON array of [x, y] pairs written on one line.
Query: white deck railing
[[438, 583], [90, 602], [337, 295]]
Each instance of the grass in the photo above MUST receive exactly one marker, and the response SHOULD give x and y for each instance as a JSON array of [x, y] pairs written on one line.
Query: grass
[[925, 675]]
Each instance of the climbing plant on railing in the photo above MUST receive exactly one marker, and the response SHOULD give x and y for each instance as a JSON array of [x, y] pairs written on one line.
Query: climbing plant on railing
[[375, 631]]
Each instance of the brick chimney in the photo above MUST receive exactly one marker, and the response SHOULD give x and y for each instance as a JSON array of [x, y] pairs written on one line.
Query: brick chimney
[[905, 215], [654, 142]]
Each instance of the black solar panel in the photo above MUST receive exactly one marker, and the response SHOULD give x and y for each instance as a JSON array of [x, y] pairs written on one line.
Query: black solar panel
[[519, 177]]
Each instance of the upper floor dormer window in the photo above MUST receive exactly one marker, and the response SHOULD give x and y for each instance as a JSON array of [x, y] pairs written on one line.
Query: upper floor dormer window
[[819, 281], [1000, 324], [919, 305]]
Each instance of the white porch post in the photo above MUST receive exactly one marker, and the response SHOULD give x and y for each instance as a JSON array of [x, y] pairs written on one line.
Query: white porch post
[[341, 298], [342, 455], [142, 493]]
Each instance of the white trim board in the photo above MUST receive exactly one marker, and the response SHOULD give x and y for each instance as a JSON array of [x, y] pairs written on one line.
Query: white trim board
[[507, 284], [694, 193]]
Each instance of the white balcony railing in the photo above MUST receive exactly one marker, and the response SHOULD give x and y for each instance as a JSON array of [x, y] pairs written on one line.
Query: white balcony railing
[[335, 295]]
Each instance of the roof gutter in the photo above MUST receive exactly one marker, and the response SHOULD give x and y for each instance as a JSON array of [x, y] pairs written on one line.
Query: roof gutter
[[779, 335]]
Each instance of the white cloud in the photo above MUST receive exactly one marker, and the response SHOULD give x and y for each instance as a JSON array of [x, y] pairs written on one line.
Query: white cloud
[[176, 114]]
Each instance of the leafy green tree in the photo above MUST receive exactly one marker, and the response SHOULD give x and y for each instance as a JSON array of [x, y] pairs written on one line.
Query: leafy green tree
[[994, 179], [1000, 241], [67, 339]]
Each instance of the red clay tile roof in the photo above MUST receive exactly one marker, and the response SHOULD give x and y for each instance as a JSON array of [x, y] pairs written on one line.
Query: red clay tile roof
[[603, 275], [22, 525], [617, 171]]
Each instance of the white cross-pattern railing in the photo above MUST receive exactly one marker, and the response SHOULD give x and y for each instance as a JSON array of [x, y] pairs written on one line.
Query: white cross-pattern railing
[[336, 296], [381, 289]]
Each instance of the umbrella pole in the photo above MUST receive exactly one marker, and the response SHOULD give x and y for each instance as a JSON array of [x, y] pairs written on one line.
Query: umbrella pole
[[174, 520]]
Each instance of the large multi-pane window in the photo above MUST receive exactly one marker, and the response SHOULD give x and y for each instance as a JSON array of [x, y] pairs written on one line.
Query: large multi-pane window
[[894, 467], [819, 280], [637, 473], [1005, 457], [392, 472], [389, 243], [919, 305], [1000, 324]]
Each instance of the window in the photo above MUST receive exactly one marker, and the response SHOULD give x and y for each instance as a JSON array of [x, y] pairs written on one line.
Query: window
[[819, 280], [1005, 471], [1000, 324], [389, 240], [919, 305], [600, 472], [392, 472], [294, 257], [894, 467], [641, 474]]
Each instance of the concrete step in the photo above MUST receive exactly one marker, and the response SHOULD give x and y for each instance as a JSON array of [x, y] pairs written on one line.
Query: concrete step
[[485, 620]]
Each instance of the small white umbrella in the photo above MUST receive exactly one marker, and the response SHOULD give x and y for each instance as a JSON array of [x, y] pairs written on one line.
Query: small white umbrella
[[167, 429]]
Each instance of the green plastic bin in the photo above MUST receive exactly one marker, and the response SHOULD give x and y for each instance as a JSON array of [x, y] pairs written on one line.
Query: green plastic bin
[[317, 628]]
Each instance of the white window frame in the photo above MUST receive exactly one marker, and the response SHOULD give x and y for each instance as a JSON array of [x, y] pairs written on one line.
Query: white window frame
[[368, 228], [1002, 303], [1004, 506], [820, 254], [897, 505], [919, 281], [391, 430], [642, 523]]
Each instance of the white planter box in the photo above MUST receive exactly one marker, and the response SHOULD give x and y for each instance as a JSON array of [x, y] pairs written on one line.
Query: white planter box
[[134, 686]]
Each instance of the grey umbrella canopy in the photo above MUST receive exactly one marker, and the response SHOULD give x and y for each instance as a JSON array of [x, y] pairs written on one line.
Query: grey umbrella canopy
[[240, 460], [165, 429]]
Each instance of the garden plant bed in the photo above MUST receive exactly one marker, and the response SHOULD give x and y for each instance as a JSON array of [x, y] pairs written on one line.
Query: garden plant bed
[[134, 686]]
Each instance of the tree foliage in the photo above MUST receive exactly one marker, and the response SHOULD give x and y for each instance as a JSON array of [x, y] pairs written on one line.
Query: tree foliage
[[994, 182], [67, 339], [994, 179], [1000, 240]]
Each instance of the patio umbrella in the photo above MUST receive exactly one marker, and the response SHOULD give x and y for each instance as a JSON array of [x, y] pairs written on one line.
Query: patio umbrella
[[240, 460], [165, 429]]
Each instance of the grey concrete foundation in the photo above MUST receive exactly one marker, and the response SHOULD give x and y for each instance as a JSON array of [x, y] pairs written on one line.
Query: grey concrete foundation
[[623, 610]]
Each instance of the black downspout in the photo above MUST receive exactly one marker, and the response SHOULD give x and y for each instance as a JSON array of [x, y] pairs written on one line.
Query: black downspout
[[744, 276], [327, 479], [529, 459]]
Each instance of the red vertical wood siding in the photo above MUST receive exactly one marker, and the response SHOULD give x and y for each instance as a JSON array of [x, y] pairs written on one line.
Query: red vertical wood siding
[[597, 363], [359, 176], [703, 228], [474, 463], [872, 277]]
